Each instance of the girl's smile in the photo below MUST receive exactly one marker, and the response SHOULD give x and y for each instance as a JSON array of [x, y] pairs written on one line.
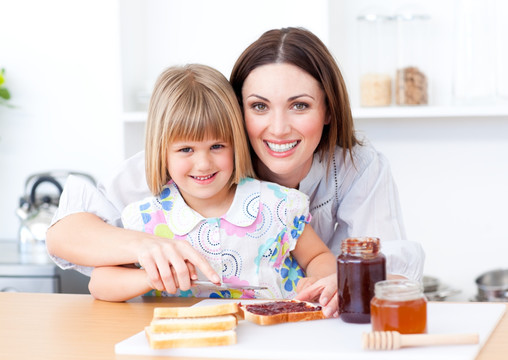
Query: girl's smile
[[202, 170]]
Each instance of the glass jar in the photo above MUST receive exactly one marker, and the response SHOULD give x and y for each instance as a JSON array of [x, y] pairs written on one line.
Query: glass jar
[[359, 267], [412, 74], [399, 305], [474, 79], [377, 61]]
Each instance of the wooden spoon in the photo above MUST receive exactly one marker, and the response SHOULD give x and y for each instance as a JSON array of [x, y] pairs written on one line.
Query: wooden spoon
[[392, 340]]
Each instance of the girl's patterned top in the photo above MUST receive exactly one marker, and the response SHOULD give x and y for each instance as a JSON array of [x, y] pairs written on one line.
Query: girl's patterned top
[[249, 245]]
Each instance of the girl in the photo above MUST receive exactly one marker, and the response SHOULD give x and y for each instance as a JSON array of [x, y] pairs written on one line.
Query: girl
[[198, 168]]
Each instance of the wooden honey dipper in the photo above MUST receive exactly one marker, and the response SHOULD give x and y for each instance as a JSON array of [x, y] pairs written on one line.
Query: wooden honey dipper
[[392, 340]]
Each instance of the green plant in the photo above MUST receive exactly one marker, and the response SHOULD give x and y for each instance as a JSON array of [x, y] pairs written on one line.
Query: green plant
[[5, 95]]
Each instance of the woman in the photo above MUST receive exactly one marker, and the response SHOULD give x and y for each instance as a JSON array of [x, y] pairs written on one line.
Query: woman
[[299, 123]]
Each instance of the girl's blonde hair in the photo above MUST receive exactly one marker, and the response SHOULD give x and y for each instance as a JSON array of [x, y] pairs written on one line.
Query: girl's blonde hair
[[193, 102]]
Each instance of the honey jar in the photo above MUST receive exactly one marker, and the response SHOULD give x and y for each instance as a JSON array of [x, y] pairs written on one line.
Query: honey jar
[[359, 267], [399, 305]]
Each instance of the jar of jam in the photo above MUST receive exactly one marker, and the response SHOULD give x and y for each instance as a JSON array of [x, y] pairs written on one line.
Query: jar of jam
[[399, 305], [359, 267]]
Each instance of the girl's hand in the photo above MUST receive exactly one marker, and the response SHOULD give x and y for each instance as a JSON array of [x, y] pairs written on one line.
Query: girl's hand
[[305, 282], [171, 264], [323, 291]]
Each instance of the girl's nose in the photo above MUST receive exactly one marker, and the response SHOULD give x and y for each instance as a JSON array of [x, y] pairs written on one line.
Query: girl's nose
[[203, 161], [280, 124]]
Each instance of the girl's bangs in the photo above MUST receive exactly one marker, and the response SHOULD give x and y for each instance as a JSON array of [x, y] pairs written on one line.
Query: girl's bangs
[[203, 118]]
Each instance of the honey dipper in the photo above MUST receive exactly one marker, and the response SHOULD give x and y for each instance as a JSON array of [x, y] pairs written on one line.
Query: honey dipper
[[392, 340]]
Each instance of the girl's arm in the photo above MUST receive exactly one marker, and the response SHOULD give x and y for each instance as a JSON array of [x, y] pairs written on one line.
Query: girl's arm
[[321, 268], [313, 255], [118, 283], [85, 239]]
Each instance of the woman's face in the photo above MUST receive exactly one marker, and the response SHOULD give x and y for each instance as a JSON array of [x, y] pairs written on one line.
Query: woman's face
[[285, 112]]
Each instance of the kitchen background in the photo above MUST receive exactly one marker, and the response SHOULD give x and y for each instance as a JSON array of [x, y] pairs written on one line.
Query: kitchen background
[[80, 74]]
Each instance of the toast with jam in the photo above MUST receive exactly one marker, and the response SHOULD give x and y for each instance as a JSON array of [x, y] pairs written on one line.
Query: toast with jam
[[281, 311]]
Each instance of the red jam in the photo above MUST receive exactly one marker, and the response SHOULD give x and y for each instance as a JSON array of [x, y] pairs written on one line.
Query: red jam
[[359, 267], [279, 307]]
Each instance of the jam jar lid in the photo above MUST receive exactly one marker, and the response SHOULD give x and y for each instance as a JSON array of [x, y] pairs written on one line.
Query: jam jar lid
[[361, 245]]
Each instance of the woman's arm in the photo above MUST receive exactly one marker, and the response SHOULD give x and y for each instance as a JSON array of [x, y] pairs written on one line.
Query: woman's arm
[[85, 239]]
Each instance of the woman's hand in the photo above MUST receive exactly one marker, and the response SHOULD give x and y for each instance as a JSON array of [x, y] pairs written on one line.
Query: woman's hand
[[171, 264], [323, 291]]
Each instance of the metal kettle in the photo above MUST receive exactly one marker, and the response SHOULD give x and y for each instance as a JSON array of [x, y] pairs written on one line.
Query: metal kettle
[[36, 211]]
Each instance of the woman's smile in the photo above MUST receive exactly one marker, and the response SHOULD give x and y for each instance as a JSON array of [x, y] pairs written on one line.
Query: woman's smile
[[285, 113], [279, 147]]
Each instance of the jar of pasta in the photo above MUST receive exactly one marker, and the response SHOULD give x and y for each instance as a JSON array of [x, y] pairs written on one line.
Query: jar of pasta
[[413, 53], [376, 34], [399, 305]]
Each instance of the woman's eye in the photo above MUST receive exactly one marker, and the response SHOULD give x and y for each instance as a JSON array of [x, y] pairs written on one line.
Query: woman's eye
[[259, 107], [300, 106]]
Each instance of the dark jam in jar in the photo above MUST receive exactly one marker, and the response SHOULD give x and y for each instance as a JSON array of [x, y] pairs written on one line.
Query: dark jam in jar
[[359, 267]]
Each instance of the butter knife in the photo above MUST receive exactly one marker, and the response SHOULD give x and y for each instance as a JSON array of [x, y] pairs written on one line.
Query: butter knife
[[225, 286]]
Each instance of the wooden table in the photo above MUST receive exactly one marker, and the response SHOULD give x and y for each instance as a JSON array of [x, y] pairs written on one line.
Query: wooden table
[[65, 326]]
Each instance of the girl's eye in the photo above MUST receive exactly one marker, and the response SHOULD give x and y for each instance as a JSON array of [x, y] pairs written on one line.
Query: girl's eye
[[259, 106], [217, 146], [185, 150], [300, 106]]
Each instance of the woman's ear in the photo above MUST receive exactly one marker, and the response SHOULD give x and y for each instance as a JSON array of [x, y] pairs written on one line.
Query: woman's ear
[[328, 119]]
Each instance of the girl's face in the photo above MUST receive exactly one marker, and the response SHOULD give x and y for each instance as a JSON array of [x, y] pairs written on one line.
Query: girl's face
[[285, 112], [202, 170]]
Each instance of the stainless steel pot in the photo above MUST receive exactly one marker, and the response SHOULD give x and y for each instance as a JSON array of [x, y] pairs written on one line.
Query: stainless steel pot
[[435, 291], [493, 285]]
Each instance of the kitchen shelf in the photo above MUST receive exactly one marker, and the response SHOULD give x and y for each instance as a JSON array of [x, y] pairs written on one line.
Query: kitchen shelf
[[402, 112], [394, 112]]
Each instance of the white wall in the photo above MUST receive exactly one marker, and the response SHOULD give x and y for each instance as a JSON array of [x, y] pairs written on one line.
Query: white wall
[[62, 69], [201, 31], [452, 176]]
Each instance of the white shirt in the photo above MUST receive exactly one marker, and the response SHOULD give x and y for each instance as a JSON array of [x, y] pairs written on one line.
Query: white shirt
[[353, 199]]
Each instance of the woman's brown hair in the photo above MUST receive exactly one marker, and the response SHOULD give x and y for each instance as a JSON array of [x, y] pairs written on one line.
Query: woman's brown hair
[[300, 47]]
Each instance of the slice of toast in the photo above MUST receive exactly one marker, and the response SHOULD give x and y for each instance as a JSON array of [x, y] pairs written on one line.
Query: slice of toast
[[282, 311], [189, 339], [193, 324], [196, 311]]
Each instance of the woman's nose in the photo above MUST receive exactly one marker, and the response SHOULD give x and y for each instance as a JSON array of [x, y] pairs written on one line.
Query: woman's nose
[[280, 124]]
